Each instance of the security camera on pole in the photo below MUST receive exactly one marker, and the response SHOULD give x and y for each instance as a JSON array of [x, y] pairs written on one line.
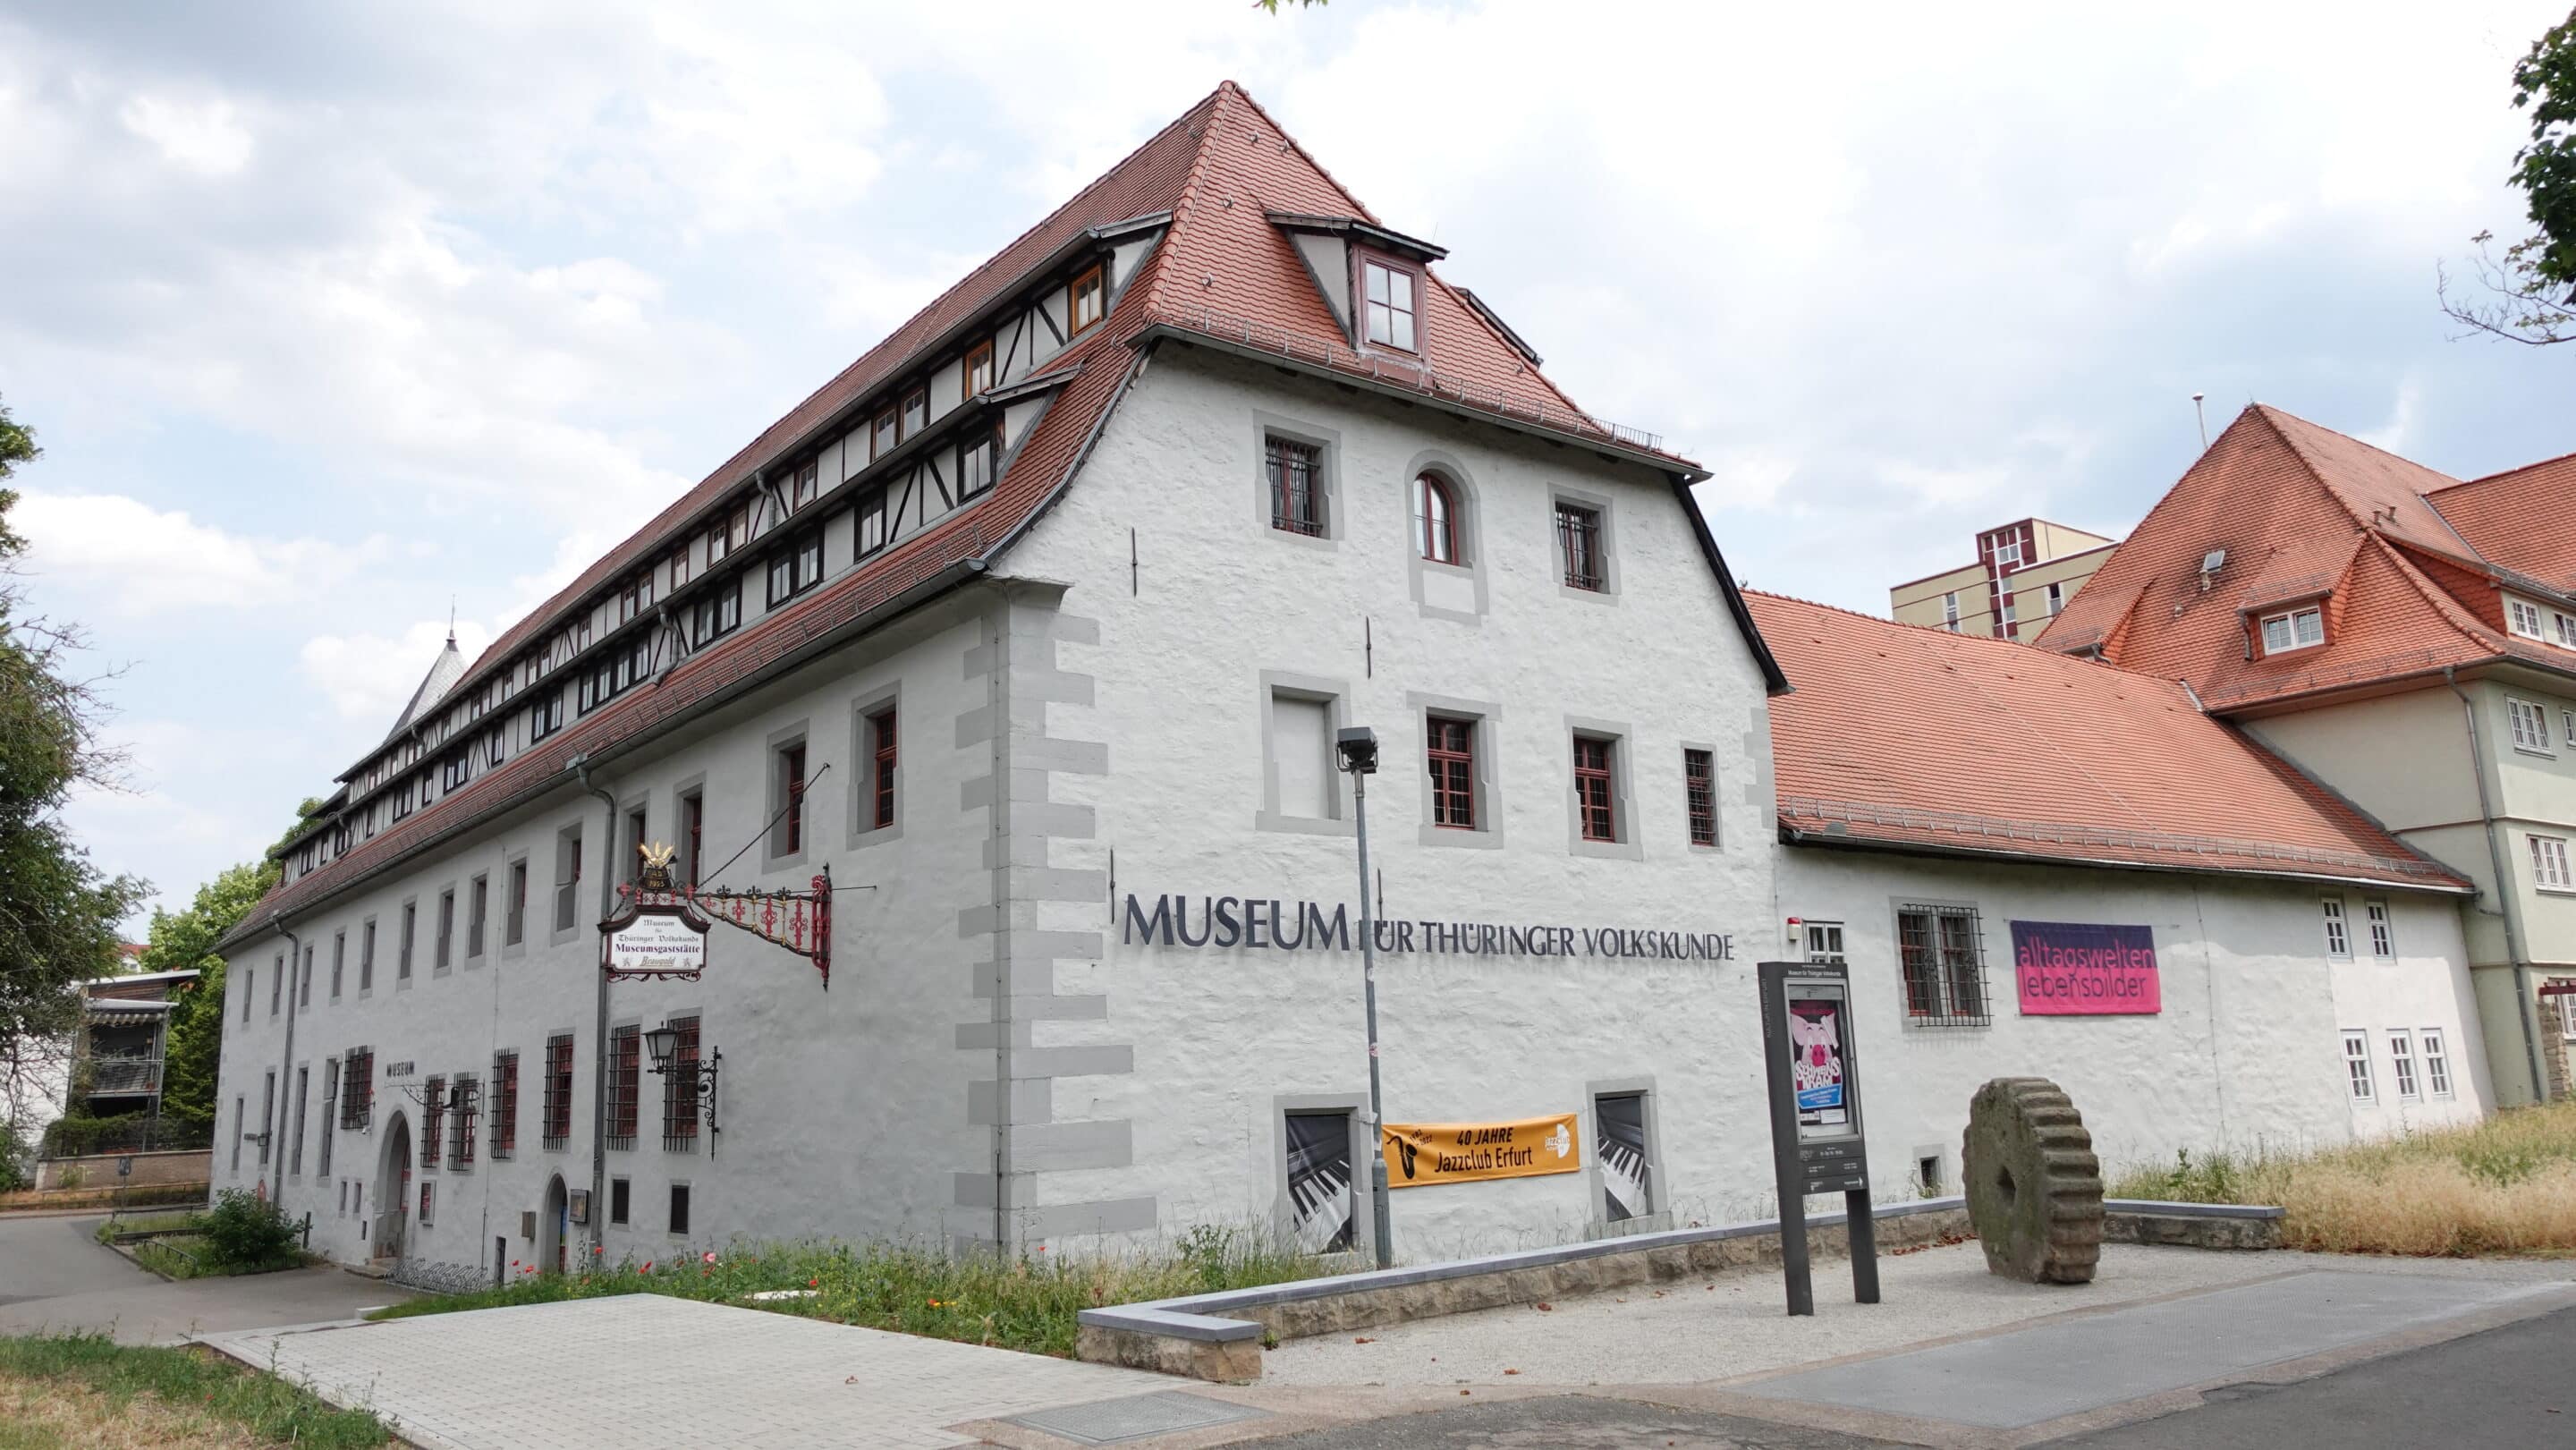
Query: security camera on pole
[[1357, 746]]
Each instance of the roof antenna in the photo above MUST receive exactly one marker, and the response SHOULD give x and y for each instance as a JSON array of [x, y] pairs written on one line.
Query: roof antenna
[[2197, 412]]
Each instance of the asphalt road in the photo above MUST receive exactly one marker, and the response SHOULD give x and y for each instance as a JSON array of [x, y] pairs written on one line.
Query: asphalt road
[[2508, 1386], [54, 1276]]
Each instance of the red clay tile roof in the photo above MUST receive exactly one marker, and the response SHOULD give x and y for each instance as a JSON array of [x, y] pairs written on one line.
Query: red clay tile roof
[[2300, 511], [1216, 255], [1888, 741], [2523, 519]]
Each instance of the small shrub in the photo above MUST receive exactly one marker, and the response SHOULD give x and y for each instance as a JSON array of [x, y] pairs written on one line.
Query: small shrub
[[244, 1231], [13, 1158]]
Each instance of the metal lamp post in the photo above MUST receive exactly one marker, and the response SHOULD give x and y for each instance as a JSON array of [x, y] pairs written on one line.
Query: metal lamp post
[[1357, 747]]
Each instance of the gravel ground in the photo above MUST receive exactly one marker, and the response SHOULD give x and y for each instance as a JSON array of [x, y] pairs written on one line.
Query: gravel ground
[[1698, 1329]]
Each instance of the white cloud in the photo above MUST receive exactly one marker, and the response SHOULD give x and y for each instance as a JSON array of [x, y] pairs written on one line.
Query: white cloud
[[368, 678], [2404, 420], [204, 137], [142, 560]]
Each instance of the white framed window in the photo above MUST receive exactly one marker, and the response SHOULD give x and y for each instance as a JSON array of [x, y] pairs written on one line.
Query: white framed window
[[1950, 622], [2356, 1066], [2530, 724], [2338, 931], [2437, 1062], [2294, 629], [1824, 941], [2565, 1010], [2549, 864], [2383, 933], [2563, 626], [2401, 1063], [2522, 617], [2007, 553], [2008, 615], [2567, 722], [2056, 600]]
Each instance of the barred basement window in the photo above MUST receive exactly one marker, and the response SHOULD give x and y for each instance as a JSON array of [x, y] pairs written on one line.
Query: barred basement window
[[680, 1089], [433, 1115], [1699, 784], [1296, 494], [624, 1077], [358, 1088], [558, 1127], [1941, 950], [469, 1122], [679, 1208], [620, 1196], [505, 1106]]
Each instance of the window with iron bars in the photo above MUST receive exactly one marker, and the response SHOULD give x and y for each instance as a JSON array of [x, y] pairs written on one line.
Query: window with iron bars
[[433, 1117], [558, 1091], [1578, 542], [468, 1111], [505, 1106], [680, 1089], [358, 1088], [1941, 950], [1699, 779], [1296, 494], [625, 1048]]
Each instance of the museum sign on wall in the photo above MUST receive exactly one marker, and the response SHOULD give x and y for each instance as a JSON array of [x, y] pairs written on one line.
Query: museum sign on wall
[[1274, 924], [2066, 968]]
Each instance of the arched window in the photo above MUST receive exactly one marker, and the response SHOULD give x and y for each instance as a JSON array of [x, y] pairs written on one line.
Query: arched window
[[1435, 520]]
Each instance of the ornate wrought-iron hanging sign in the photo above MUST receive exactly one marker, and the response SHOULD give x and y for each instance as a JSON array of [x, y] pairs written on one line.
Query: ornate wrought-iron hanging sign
[[660, 929]]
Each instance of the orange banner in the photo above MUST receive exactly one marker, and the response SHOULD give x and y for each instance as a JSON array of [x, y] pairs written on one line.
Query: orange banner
[[1421, 1154]]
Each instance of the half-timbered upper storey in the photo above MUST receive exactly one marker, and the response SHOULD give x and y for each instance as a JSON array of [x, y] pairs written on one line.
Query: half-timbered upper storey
[[928, 456]]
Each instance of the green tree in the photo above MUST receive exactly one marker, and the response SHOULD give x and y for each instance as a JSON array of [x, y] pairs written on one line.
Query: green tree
[[58, 912], [186, 938], [2531, 285]]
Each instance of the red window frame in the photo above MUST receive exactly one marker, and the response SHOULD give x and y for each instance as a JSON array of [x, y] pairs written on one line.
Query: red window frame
[[976, 374], [1578, 540], [468, 1121], [1089, 285], [1595, 795], [680, 1087], [625, 1078], [1296, 489], [881, 730], [505, 1104], [433, 1117], [1435, 520], [558, 1091], [1450, 756], [1699, 782]]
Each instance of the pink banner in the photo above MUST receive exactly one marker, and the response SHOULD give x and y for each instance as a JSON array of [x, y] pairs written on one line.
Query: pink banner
[[2078, 969]]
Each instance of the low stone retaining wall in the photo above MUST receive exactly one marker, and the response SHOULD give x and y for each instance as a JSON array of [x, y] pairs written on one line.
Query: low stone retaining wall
[[96, 1171], [1219, 1336], [2191, 1225]]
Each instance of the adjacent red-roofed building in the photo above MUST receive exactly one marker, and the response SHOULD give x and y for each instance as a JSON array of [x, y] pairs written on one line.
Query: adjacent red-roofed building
[[1954, 877], [2403, 637]]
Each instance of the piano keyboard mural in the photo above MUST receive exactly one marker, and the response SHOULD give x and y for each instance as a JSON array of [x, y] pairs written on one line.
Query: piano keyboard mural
[[1623, 1154], [1319, 1181]]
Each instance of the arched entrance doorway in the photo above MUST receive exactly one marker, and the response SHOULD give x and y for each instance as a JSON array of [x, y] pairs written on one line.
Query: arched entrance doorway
[[393, 1191], [552, 1226]]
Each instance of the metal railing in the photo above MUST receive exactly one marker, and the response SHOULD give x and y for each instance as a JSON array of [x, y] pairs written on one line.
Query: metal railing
[[1326, 353], [122, 1074], [2167, 844]]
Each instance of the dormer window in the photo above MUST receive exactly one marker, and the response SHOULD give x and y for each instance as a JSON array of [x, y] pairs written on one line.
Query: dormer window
[[807, 486], [979, 369], [881, 438], [916, 411], [1387, 297], [1086, 301], [2565, 626], [2296, 629], [2522, 617]]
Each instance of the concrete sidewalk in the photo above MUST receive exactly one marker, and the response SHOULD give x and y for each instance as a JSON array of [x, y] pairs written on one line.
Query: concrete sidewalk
[[55, 1276]]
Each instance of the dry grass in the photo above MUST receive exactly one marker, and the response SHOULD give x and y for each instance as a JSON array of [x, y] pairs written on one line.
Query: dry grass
[[62, 1415], [2504, 1186]]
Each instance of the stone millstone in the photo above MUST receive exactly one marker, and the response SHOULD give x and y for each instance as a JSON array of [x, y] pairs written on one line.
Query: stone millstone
[[2034, 1186]]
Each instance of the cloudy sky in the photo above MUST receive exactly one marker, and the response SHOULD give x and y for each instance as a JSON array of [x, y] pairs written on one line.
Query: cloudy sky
[[327, 314]]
